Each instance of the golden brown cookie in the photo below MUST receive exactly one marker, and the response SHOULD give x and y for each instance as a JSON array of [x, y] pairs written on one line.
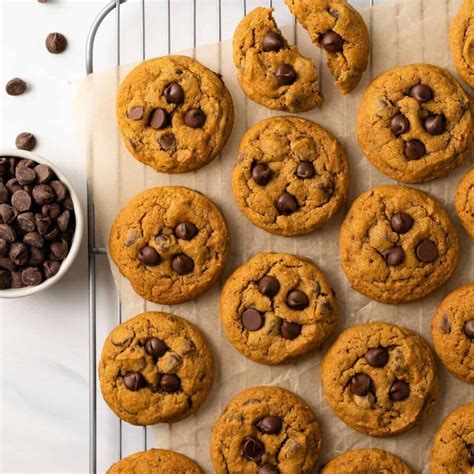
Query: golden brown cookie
[[155, 368], [452, 329], [291, 175], [156, 461], [171, 243], [465, 202], [397, 245], [453, 446], [266, 430], [366, 461], [461, 37], [270, 71], [415, 123], [339, 29], [174, 114], [277, 307], [380, 379]]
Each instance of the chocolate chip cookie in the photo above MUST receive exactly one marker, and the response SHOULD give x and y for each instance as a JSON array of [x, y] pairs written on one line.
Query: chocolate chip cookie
[[291, 175], [453, 446], [174, 114], [270, 71], [397, 245], [453, 332], [380, 379], [465, 202], [415, 123], [155, 368], [266, 430], [277, 307], [462, 41], [171, 243], [156, 461], [366, 461], [339, 29]]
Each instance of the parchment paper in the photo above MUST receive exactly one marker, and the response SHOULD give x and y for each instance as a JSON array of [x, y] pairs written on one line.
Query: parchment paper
[[402, 33]]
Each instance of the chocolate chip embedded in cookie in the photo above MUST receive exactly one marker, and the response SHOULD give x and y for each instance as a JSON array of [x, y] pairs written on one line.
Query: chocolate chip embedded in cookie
[[291, 175], [453, 446], [277, 307], [266, 430], [415, 123], [174, 114], [155, 461], [155, 368], [339, 29], [397, 245], [452, 329], [379, 379], [270, 71], [465, 202], [171, 243]]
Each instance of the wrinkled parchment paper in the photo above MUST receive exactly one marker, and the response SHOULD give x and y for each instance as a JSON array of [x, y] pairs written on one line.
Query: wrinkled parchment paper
[[402, 33]]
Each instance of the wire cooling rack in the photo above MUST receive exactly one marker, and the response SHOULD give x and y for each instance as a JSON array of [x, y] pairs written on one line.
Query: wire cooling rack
[[95, 250]]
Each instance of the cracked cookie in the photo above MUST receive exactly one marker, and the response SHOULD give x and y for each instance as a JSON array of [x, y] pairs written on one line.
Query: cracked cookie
[[380, 379], [465, 202], [461, 37], [366, 461], [156, 461], [452, 329], [453, 446], [291, 175], [415, 123], [155, 368], [266, 430], [174, 114], [270, 71], [277, 307], [397, 245], [340, 30], [171, 243]]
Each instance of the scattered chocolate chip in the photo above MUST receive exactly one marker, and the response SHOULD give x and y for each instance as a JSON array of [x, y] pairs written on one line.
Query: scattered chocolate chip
[[399, 124], [194, 118], [297, 299], [414, 150], [25, 141], [285, 75], [7, 233], [469, 328], [421, 93], [272, 41], [287, 204], [149, 256], [167, 142], [377, 356], [426, 251], [394, 256], [269, 286], [435, 124], [25, 175], [470, 455], [305, 170], [174, 93], [399, 391], [136, 113], [331, 41], [360, 384], [31, 276], [56, 43], [5, 279], [18, 253], [43, 194], [170, 383], [268, 469], [7, 214], [269, 424], [290, 330], [59, 188], [133, 381], [182, 264], [252, 448], [59, 250], [26, 222], [158, 119], [401, 223], [252, 320], [15, 86], [261, 174], [50, 268], [155, 347], [185, 230]]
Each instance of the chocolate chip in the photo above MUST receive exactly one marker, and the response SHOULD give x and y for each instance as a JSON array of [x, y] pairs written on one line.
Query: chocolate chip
[[31, 276], [401, 223], [36, 256], [290, 330], [435, 124], [33, 239], [285, 75], [15, 86], [399, 391], [261, 174], [42, 223], [133, 381], [155, 347], [194, 118], [18, 253], [50, 268], [174, 93], [7, 264], [426, 251], [68, 204], [394, 256], [287, 204], [360, 384], [269, 286], [421, 93], [269, 425], [63, 220], [377, 356], [170, 383], [12, 185], [445, 326], [7, 233], [399, 124], [185, 230], [59, 188], [469, 328], [59, 250], [26, 222], [5, 279], [3, 247], [43, 194], [272, 41], [136, 113], [3, 193], [26, 163], [331, 41], [167, 142], [52, 210], [51, 234], [305, 170], [252, 448], [158, 119], [25, 141], [56, 43], [7, 213], [149, 256], [182, 264], [252, 320], [297, 299], [470, 455], [414, 150], [16, 280], [268, 469], [163, 242], [21, 200], [25, 175]]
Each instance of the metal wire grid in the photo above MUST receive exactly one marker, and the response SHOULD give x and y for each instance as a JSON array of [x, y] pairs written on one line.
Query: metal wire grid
[[94, 250]]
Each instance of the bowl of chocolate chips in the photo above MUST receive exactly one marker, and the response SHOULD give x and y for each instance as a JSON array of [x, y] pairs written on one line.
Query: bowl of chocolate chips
[[41, 224]]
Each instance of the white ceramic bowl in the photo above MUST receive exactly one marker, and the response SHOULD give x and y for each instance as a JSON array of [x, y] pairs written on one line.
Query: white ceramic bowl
[[78, 233]]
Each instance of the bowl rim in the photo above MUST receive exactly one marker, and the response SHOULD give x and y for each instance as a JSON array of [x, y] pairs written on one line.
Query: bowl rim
[[78, 232]]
